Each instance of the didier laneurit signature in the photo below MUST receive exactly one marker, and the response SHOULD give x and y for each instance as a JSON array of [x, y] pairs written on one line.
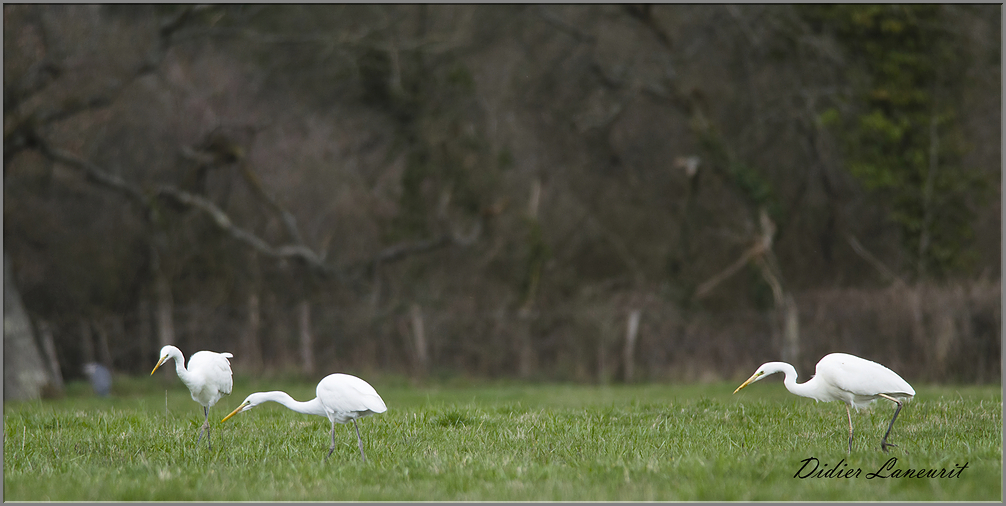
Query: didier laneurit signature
[[813, 468]]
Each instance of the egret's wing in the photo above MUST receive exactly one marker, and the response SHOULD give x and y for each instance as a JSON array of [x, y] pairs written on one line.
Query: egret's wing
[[215, 368], [862, 377], [344, 393]]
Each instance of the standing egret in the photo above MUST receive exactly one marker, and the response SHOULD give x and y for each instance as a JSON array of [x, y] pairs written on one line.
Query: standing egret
[[842, 377], [208, 378], [340, 397]]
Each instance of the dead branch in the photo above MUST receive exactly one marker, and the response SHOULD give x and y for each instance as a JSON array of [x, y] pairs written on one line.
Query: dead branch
[[706, 287], [168, 29], [770, 277], [92, 172], [644, 14], [217, 150], [36, 79], [874, 262], [22, 129], [286, 217], [401, 250], [223, 221], [565, 27], [97, 175], [758, 251]]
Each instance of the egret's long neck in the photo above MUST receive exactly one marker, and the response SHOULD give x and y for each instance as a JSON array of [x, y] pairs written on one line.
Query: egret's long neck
[[183, 373], [311, 407], [804, 389]]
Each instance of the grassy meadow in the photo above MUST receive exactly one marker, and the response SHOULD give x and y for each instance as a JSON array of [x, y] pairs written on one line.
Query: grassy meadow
[[500, 442]]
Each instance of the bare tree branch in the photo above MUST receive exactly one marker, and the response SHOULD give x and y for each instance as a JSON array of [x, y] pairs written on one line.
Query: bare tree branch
[[401, 250], [93, 173], [168, 29], [220, 218], [758, 251], [21, 130], [711, 283], [287, 218], [885, 271], [644, 14], [38, 76], [34, 80], [223, 221], [565, 27], [101, 177]]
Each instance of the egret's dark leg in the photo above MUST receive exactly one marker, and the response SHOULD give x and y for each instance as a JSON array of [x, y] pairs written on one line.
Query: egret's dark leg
[[359, 440], [850, 426], [205, 427], [207, 424], [331, 448], [883, 442]]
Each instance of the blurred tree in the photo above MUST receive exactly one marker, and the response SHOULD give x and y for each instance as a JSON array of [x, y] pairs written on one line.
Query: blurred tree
[[24, 374], [902, 131], [286, 180]]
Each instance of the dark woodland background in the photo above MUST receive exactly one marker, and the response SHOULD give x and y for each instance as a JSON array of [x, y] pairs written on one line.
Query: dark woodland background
[[564, 193]]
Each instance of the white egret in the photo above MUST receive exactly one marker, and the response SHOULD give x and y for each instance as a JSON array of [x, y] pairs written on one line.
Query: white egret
[[340, 397], [842, 377], [208, 378]]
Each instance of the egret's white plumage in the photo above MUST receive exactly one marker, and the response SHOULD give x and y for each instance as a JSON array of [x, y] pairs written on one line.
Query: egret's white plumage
[[208, 378], [842, 377], [340, 397]]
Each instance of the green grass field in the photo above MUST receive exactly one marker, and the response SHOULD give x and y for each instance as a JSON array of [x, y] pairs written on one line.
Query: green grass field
[[500, 442]]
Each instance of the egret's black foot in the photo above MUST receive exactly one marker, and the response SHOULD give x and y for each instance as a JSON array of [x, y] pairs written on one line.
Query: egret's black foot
[[205, 428], [884, 445]]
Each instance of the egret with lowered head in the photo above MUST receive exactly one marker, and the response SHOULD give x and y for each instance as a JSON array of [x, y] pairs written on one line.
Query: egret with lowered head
[[340, 397], [208, 378], [842, 377]]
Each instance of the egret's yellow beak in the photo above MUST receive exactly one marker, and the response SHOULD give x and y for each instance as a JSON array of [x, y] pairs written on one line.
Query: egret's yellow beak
[[159, 362], [749, 381], [236, 411]]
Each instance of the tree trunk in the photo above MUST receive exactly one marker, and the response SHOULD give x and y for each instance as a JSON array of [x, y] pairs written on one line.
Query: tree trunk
[[104, 354], [306, 338], [251, 351], [602, 361], [251, 347], [165, 310], [49, 347], [629, 353], [86, 341], [143, 330], [527, 362], [920, 338], [419, 339], [24, 372], [790, 330], [527, 358]]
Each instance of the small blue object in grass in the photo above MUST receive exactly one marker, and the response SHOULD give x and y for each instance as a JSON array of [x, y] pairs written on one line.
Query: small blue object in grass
[[100, 378]]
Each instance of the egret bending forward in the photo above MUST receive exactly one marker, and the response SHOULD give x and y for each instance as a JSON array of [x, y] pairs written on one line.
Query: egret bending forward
[[842, 377], [208, 378], [340, 397]]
